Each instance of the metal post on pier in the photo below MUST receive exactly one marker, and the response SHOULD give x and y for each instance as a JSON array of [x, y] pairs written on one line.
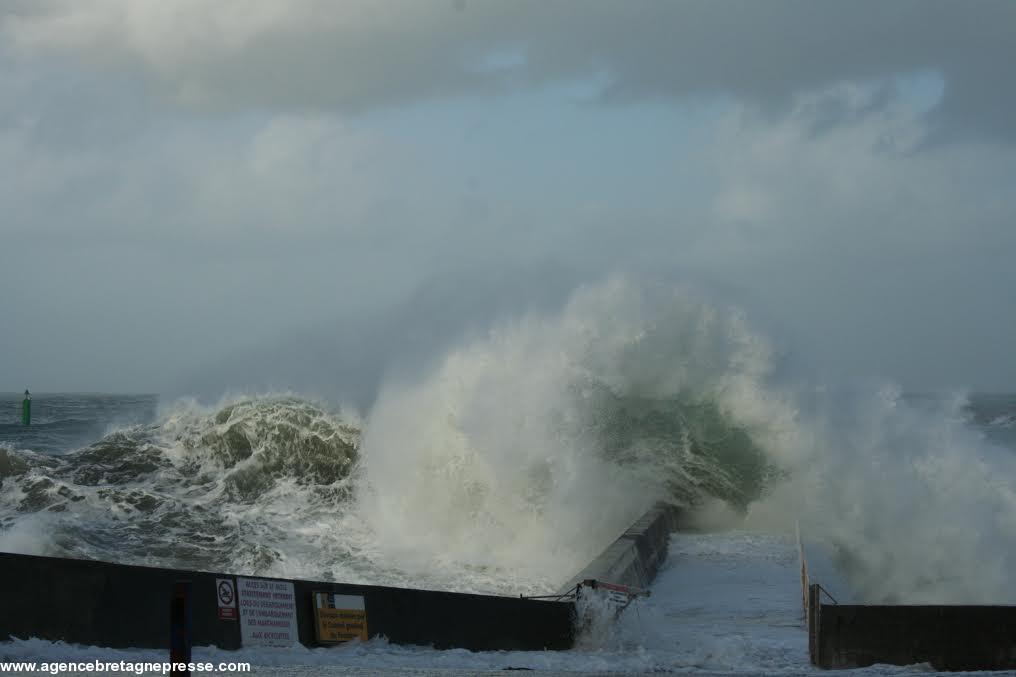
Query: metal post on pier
[[180, 628]]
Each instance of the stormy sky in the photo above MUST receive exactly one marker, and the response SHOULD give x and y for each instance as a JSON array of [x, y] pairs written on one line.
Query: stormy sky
[[250, 193]]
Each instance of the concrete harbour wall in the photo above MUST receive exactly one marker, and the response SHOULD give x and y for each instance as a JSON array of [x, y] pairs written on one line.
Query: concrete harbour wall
[[635, 557], [949, 637], [114, 605]]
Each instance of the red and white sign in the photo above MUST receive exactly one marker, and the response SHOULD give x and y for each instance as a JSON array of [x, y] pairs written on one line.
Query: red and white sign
[[267, 612], [225, 595], [618, 594]]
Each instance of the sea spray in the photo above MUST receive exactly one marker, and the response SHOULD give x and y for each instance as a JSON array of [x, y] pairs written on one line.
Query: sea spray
[[526, 450], [529, 449], [916, 506]]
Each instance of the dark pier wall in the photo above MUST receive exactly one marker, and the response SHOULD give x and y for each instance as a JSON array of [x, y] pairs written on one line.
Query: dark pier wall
[[635, 557], [948, 637], [452, 620], [115, 605], [105, 604]]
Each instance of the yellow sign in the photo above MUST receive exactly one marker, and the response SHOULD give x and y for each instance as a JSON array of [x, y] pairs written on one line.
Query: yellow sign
[[339, 618]]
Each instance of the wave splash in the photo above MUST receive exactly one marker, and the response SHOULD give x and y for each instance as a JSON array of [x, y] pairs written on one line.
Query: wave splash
[[524, 452]]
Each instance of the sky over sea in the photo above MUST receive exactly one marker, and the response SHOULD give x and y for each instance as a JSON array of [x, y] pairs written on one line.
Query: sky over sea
[[200, 195]]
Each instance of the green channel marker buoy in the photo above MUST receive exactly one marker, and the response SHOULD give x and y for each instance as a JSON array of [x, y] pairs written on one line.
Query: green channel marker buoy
[[26, 408]]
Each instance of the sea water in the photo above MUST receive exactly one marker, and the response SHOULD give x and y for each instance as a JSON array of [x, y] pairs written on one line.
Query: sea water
[[517, 458]]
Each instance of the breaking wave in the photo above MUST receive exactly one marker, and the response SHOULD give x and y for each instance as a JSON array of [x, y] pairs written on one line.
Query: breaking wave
[[524, 452], [206, 490]]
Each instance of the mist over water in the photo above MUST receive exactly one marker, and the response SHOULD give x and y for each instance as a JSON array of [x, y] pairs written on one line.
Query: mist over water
[[526, 449]]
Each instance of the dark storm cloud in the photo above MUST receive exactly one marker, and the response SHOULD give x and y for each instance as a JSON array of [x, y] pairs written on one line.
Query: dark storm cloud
[[358, 55]]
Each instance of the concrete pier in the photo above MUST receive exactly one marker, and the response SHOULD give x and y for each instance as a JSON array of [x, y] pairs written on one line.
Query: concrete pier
[[949, 637], [116, 605], [635, 557]]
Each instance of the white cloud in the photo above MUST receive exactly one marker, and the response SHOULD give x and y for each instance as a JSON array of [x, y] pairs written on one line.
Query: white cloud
[[868, 184], [845, 209]]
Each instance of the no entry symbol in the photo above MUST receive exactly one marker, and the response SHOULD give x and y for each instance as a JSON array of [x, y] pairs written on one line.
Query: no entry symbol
[[225, 593]]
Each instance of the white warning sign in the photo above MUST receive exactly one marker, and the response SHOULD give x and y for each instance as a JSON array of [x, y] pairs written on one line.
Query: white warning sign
[[267, 612], [225, 595]]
